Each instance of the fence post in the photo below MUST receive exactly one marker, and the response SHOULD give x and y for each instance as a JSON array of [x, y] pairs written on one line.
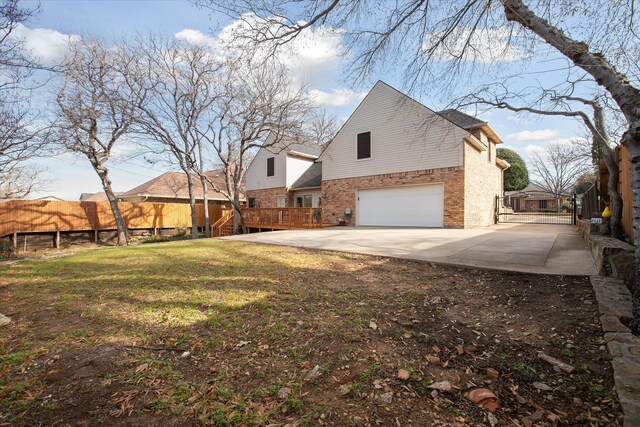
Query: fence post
[[15, 241], [575, 209], [497, 211]]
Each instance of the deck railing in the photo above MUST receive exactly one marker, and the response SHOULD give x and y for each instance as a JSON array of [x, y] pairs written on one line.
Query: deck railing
[[218, 227], [282, 218]]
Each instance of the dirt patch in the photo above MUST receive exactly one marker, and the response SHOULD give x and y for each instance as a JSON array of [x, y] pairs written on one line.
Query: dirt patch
[[395, 343]]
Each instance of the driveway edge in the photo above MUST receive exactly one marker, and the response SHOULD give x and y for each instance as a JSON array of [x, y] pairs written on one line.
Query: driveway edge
[[614, 302]]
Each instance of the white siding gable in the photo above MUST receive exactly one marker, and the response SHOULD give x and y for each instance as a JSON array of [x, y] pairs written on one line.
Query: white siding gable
[[256, 177], [295, 167], [405, 136]]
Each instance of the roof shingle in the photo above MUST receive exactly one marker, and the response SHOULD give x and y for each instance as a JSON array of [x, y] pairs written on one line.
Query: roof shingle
[[174, 185], [312, 177], [461, 119]]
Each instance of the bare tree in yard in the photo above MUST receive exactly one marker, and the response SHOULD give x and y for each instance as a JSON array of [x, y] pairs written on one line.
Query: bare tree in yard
[[258, 108], [20, 135], [603, 43], [562, 102], [321, 127], [557, 167], [19, 182], [96, 108], [183, 88]]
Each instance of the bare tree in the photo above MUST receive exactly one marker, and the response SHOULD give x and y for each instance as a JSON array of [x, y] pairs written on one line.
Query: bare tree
[[20, 182], [557, 167], [258, 108], [20, 135], [603, 43], [96, 108], [183, 88], [320, 127], [562, 102]]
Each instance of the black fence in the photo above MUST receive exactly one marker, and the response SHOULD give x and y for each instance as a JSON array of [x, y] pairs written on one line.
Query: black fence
[[537, 211]]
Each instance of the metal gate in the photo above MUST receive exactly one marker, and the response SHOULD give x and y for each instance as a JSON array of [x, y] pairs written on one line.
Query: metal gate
[[536, 211]]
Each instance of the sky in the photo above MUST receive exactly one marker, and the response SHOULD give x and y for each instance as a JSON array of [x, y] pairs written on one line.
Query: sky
[[316, 62]]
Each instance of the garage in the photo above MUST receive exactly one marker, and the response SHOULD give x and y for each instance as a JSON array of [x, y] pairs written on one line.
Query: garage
[[415, 206]]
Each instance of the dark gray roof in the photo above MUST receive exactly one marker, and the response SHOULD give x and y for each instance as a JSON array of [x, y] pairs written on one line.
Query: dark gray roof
[[532, 191], [312, 177], [461, 119], [310, 148]]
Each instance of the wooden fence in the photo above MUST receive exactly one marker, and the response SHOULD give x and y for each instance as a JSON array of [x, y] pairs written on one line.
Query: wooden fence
[[33, 216], [624, 187]]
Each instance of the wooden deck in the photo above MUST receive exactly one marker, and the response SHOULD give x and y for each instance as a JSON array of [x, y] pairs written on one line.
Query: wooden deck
[[282, 218]]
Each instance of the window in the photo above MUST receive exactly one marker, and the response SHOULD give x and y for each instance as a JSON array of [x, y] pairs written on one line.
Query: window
[[252, 202], [305, 201], [542, 204], [281, 202], [271, 168], [364, 145]]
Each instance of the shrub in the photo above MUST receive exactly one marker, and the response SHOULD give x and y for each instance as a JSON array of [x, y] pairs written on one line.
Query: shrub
[[6, 249]]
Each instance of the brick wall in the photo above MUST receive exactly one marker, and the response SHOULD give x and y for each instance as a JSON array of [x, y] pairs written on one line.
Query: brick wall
[[482, 183], [268, 197], [338, 194]]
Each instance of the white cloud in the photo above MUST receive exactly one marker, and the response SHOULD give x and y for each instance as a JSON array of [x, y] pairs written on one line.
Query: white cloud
[[312, 58], [484, 45], [335, 98], [45, 45], [196, 37], [533, 135]]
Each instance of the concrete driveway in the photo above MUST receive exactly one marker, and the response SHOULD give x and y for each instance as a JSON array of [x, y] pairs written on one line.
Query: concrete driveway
[[533, 248]]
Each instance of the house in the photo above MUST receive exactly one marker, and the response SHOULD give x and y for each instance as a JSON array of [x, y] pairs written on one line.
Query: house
[[49, 199], [100, 196], [534, 198], [395, 162], [171, 187], [284, 174]]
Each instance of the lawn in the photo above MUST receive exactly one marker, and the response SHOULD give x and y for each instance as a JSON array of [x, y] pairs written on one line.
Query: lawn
[[229, 333]]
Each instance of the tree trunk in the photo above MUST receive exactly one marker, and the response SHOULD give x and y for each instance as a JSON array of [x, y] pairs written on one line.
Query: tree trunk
[[238, 218], [205, 196], [205, 203], [634, 157], [624, 94], [615, 201], [192, 204], [103, 173]]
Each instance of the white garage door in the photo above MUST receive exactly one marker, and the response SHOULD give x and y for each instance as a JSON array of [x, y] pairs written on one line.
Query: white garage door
[[419, 206]]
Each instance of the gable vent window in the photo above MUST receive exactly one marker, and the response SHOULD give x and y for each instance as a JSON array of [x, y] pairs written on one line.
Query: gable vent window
[[364, 145], [271, 169]]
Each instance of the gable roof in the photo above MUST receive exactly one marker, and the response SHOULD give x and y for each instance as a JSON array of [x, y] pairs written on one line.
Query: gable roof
[[533, 191], [100, 196], [461, 119], [312, 177], [174, 185], [290, 146]]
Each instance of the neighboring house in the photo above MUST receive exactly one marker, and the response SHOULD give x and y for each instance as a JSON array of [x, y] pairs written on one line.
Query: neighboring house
[[285, 175], [49, 199], [100, 196], [534, 198], [171, 187], [395, 162]]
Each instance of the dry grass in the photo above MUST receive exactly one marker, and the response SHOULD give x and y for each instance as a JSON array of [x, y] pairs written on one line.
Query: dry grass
[[98, 337]]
